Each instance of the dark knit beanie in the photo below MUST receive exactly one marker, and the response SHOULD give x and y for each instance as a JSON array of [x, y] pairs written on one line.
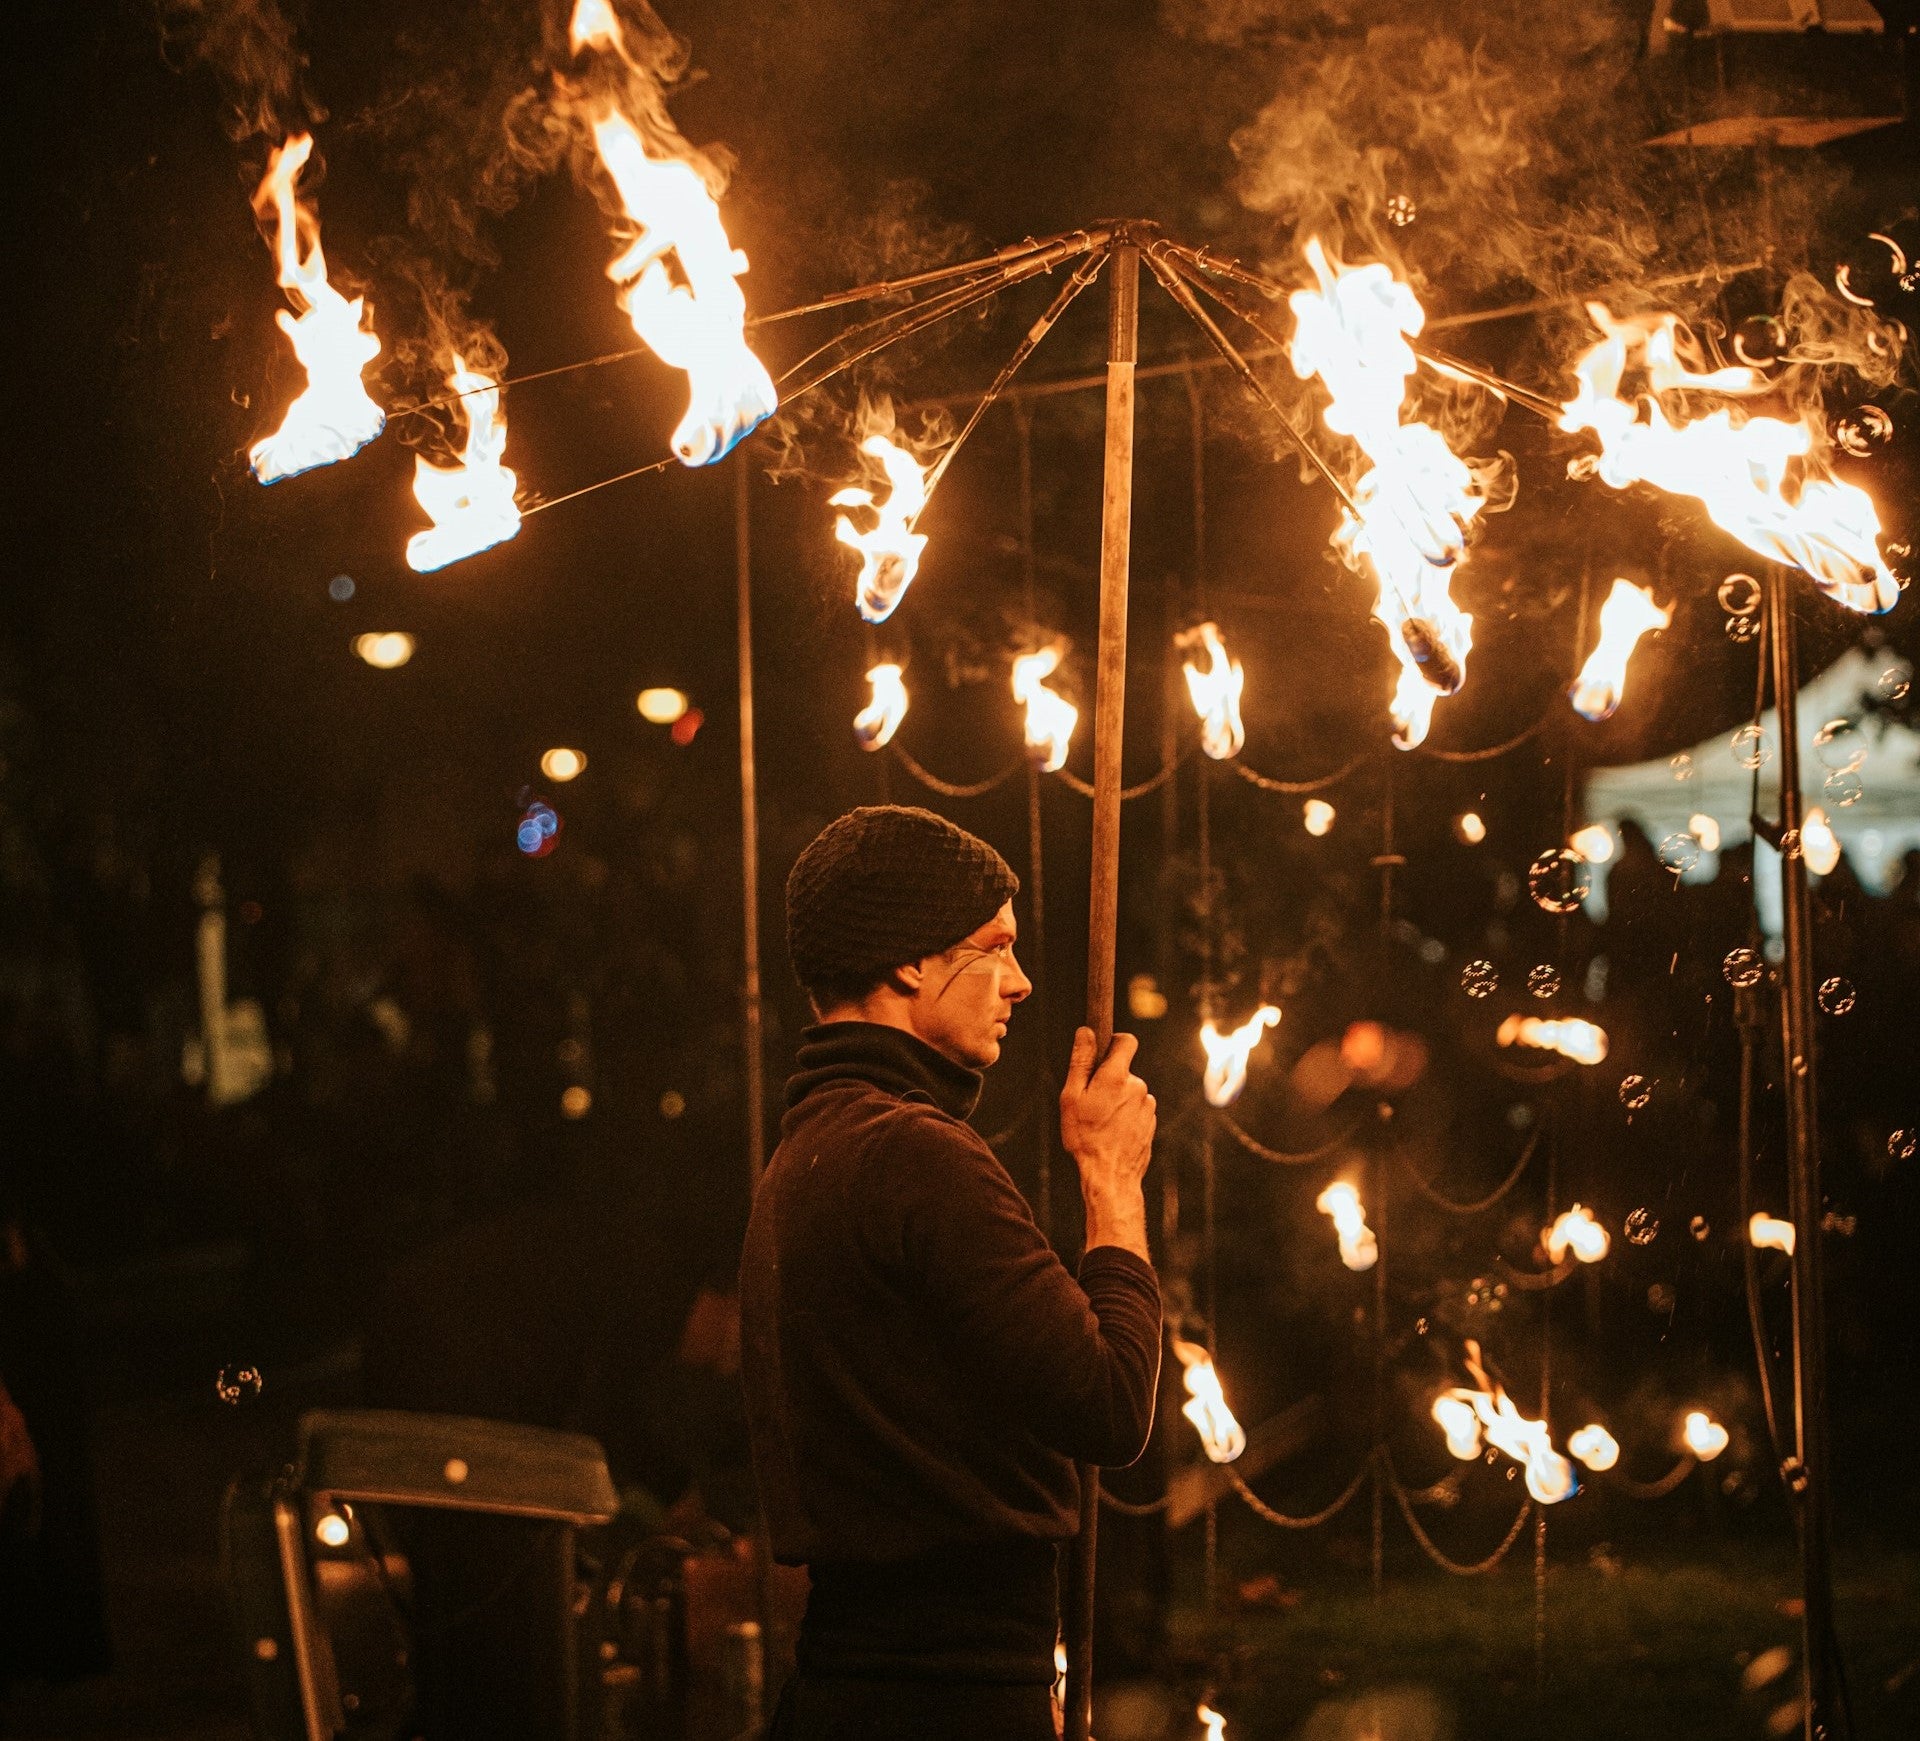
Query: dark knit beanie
[[886, 885]]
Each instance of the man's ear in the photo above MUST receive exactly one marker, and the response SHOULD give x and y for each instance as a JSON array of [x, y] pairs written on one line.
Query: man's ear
[[908, 978]]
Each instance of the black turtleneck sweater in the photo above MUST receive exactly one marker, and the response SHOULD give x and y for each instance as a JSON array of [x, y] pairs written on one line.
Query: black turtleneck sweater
[[921, 1371]]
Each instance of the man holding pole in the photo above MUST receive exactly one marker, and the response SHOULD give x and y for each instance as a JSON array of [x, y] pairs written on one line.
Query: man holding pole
[[921, 1371]]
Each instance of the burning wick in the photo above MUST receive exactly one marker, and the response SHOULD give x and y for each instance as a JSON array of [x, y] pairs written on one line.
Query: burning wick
[[890, 550], [1571, 1037], [1765, 1233], [1577, 1232], [1358, 1248], [471, 505], [1628, 614], [1227, 1054], [1467, 1415], [1050, 717], [1416, 502], [1221, 1436], [875, 724], [1703, 1435], [1595, 1447], [1215, 691], [334, 418]]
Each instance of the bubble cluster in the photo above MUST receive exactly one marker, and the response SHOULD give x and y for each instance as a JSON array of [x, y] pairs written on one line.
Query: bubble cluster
[[1479, 979], [1743, 967], [1699, 1227], [1740, 595], [1893, 684], [1741, 630], [1681, 767], [1544, 980], [1559, 880], [1903, 1144], [1635, 1092], [1839, 746], [237, 1384], [1752, 748], [1843, 788], [538, 831], [1642, 1226], [1863, 432], [1836, 995], [1401, 211], [1486, 1295], [1679, 853]]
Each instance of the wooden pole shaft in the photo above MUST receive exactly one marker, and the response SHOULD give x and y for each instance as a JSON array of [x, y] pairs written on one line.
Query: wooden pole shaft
[[750, 1013], [1103, 906]]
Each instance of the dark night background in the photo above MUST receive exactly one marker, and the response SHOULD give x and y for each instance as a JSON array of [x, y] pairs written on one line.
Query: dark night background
[[403, 1213]]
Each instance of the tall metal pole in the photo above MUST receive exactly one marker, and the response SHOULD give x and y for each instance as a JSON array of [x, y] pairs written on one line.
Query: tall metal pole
[[1103, 906], [750, 1016], [1810, 1473]]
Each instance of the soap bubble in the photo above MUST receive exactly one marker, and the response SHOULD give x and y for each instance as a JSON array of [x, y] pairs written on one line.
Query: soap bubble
[[1739, 595], [1899, 560], [1642, 1227], [1635, 1092], [1893, 684], [1836, 995], [236, 1384], [1479, 979], [1752, 748], [1401, 211], [1679, 853], [1843, 789], [1839, 746], [1743, 967], [1544, 980], [1681, 767], [1758, 341], [1559, 880], [1864, 431], [340, 588], [1903, 1144], [1698, 1227], [1741, 630], [1660, 1298], [1790, 843]]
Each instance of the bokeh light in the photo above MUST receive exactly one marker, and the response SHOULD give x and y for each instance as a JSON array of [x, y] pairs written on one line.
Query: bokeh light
[[563, 764], [387, 651], [662, 706]]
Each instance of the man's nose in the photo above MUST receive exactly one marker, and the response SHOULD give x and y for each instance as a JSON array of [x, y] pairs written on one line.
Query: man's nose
[[1020, 985]]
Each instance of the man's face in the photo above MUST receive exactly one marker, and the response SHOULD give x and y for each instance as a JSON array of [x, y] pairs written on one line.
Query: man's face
[[967, 994]]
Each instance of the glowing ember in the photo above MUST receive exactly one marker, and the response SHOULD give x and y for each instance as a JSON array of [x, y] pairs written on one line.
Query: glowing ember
[[1050, 717], [1768, 1233], [1341, 1202], [1763, 479], [471, 504], [1597, 1448], [875, 724], [333, 419], [1227, 1054], [1571, 1037], [1215, 692], [1628, 614], [1221, 1436], [692, 315], [890, 549], [1417, 500], [1577, 1232], [1465, 1416], [1703, 1435]]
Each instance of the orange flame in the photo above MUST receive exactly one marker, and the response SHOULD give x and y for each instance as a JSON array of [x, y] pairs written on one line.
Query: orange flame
[[1819, 842], [1628, 614], [890, 550], [1768, 1233], [1703, 1435], [1571, 1037], [1595, 1447], [1763, 479], [471, 505], [595, 25], [1216, 1725], [1050, 717], [875, 724], [1221, 1436], [1466, 1415], [1576, 1231], [1419, 498], [1227, 1054], [1215, 691], [334, 418], [1341, 1202]]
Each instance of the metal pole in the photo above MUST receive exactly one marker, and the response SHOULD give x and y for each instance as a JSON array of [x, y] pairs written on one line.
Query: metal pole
[[1103, 906], [1810, 1474], [750, 1016]]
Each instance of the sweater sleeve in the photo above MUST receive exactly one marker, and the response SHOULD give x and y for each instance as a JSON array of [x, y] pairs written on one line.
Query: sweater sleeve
[[1077, 1362]]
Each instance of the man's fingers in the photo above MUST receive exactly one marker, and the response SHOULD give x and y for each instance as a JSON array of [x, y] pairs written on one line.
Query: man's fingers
[[1119, 1059], [1080, 1064]]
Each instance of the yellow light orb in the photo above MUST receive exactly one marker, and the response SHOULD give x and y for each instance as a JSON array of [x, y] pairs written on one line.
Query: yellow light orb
[[1594, 843], [332, 1530], [1470, 827], [384, 652], [576, 1102], [662, 706], [1316, 815], [563, 764]]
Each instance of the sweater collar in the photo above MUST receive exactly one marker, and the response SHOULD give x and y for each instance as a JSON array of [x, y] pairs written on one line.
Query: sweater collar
[[891, 1059]]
